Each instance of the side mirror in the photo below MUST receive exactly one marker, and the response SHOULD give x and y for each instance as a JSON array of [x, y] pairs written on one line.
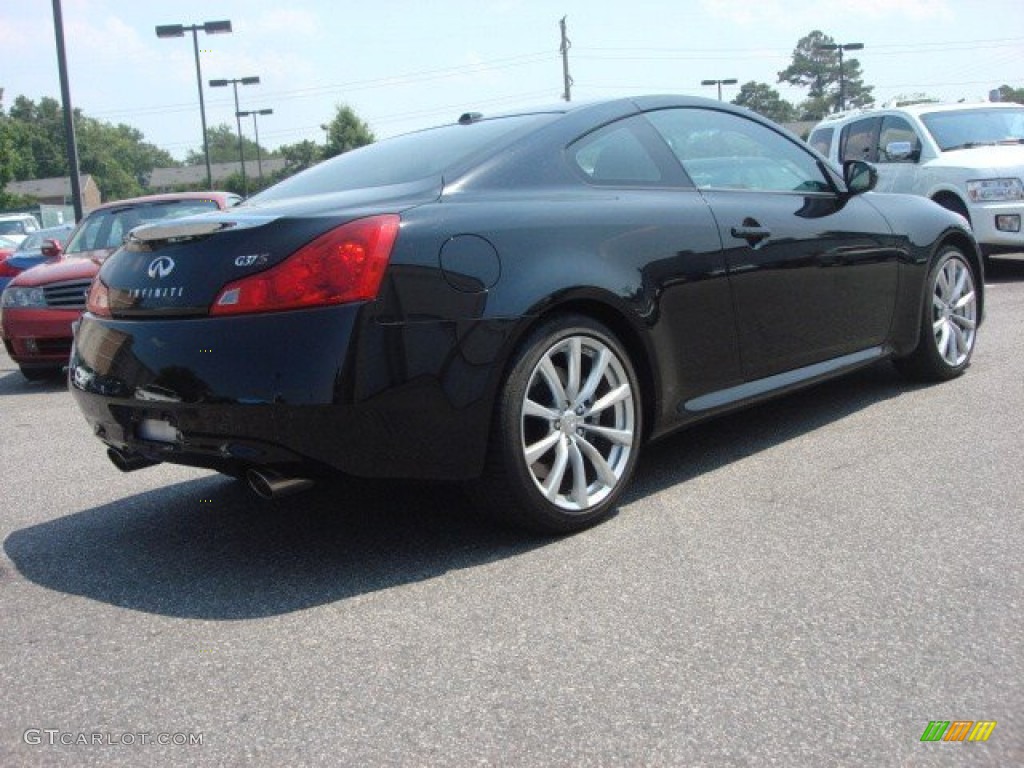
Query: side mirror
[[898, 151], [51, 249], [860, 176]]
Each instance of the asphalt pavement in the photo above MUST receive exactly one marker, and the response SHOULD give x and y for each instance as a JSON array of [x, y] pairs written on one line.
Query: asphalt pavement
[[807, 583]]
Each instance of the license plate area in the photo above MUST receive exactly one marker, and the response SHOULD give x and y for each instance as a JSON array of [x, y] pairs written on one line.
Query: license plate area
[[157, 431]]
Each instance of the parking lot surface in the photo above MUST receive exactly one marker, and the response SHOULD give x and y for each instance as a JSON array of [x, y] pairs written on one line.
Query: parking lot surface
[[806, 583]]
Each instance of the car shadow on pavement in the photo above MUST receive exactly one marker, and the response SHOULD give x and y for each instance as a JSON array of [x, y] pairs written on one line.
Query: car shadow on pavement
[[1005, 269], [209, 549], [727, 439], [13, 383]]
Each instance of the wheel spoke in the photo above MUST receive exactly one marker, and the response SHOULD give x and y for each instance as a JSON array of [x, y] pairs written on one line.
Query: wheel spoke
[[538, 449], [579, 476], [959, 343], [597, 372], [961, 281], [619, 436], [943, 342], [604, 472], [964, 322], [575, 356], [532, 408], [617, 395], [963, 301], [550, 375], [938, 303], [553, 482]]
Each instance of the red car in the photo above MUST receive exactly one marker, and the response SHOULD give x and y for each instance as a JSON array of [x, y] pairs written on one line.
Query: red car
[[38, 306]]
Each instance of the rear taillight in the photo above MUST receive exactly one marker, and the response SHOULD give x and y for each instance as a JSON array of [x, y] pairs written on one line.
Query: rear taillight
[[97, 300], [344, 265]]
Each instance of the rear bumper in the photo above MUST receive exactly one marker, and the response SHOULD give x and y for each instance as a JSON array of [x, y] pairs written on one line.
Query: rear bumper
[[38, 337], [322, 387]]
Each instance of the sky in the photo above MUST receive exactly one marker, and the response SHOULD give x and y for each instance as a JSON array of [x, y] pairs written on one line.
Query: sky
[[409, 64]]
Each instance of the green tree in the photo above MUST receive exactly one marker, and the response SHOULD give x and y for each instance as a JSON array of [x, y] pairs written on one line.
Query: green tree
[[115, 155], [300, 156], [1006, 93], [223, 142], [818, 71], [766, 101], [345, 132]]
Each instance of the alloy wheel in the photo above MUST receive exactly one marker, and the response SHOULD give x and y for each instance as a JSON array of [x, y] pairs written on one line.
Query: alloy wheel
[[578, 421], [954, 311]]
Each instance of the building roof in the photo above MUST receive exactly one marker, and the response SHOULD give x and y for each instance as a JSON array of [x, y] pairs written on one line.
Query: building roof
[[59, 186], [162, 178]]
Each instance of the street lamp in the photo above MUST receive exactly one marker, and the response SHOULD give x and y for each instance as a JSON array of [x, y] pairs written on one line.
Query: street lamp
[[234, 82], [840, 47], [256, 130], [210, 28], [719, 83]]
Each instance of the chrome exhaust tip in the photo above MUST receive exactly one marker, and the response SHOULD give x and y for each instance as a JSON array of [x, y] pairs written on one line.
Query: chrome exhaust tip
[[270, 485], [127, 461]]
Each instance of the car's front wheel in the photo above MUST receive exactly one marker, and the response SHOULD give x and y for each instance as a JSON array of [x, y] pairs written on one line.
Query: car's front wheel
[[566, 429], [949, 325]]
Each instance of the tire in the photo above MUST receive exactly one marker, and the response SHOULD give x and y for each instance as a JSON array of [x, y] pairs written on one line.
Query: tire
[[566, 429], [949, 322], [40, 374]]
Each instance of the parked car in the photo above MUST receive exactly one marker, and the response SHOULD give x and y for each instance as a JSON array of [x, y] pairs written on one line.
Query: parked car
[[17, 226], [44, 245], [966, 157], [38, 307], [7, 247], [518, 302]]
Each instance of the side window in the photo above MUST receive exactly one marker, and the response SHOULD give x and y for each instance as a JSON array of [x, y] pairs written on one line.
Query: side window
[[720, 150], [615, 154], [857, 141], [821, 140], [896, 130]]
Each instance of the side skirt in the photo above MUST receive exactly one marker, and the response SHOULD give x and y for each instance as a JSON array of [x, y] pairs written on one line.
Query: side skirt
[[771, 385]]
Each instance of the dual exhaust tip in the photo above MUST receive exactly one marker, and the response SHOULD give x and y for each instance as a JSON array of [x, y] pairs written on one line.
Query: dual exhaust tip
[[265, 483]]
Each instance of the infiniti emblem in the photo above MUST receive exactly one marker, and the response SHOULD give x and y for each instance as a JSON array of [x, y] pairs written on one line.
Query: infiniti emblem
[[160, 267]]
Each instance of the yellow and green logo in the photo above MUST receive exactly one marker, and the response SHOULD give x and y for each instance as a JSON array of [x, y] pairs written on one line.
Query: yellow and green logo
[[958, 730]]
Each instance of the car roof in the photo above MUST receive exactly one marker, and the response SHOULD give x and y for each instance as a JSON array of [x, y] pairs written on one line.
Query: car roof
[[920, 108]]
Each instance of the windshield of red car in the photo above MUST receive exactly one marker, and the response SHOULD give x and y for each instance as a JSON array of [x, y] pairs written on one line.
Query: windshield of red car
[[106, 229]]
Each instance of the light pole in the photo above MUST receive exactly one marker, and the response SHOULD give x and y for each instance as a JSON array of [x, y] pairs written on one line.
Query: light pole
[[256, 130], [234, 83], [210, 28], [719, 83], [842, 81]]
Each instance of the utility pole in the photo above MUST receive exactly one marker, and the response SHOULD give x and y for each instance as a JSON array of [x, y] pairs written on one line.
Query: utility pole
[[69, 115], [565, 61]]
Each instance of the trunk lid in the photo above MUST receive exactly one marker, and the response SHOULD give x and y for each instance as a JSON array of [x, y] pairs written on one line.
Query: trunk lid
[[177, 268]]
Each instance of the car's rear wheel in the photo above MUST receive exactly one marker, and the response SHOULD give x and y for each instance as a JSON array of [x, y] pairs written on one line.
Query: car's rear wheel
[[567, 428], [949, 325]]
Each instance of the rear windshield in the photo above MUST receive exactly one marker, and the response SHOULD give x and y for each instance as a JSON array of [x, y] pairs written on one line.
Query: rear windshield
[[107, 228], [401, 159], [12, 227], [963, 129]]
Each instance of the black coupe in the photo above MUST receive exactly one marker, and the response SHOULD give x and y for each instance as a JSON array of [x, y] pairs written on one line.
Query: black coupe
[[518, 302]]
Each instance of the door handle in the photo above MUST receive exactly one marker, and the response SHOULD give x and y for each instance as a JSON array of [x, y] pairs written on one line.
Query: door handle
[[754, 235]]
